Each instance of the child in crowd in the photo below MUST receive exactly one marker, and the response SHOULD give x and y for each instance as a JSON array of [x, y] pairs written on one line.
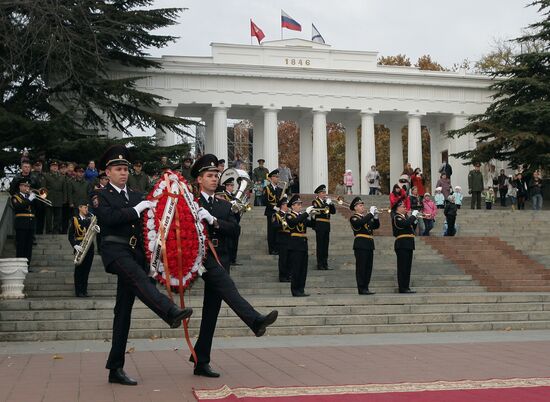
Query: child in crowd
[[439, 198], [512, 192], [458, 196], [429, 211], [489, 196], [450, 215]]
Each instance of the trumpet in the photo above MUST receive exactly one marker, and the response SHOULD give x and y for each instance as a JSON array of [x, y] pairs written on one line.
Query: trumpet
[[41, 195], [317, 211], [340, 201]]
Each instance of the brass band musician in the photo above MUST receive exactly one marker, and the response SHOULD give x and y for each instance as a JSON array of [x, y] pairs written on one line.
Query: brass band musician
[[283, 234], [272, 194], [363, 225], [78, 227], [322, 225], [23, 203], [403, 230]]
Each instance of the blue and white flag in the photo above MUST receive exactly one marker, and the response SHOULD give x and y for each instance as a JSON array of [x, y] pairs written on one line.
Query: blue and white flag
[[315, 35]]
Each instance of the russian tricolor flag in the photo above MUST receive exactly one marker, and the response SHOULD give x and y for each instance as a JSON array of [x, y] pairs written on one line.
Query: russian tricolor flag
[[289, 23]]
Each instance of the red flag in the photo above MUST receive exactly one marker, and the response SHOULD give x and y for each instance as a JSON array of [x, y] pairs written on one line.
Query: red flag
[[255, 31]]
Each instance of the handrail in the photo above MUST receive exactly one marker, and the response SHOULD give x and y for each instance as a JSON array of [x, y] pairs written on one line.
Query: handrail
[[6, 219]]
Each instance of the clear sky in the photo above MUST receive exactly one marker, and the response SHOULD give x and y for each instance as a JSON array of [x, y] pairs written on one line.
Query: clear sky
[[449, 30]]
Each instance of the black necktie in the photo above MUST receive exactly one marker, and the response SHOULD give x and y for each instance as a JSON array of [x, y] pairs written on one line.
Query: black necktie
[[124, 194], [210, 201]]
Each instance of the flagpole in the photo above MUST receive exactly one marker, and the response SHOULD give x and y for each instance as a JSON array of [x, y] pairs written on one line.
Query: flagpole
[[251, 32]]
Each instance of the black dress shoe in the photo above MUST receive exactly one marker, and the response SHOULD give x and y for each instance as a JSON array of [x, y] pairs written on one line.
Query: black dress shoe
[[177, 315], [118, 376], [407, 291], [80, 295], [366, 292], [321, 268], [284, 279], [328, 269], [236, 263], [300, 294], [264, 321], [206, 371]]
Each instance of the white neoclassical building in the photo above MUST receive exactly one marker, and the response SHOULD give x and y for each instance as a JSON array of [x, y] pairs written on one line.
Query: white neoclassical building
[[311, 83]]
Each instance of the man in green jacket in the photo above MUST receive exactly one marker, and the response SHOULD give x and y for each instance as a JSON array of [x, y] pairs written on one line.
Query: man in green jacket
[[138, 180], [79, 190], [56, 184], [475, 186]]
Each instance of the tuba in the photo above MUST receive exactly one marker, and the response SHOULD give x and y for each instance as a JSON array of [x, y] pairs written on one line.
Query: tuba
[[243, 184], [87, 242]]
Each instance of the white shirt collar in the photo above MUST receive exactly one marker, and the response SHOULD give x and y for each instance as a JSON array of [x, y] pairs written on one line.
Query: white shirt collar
[[207, 196], [120, 189], [81, 217]]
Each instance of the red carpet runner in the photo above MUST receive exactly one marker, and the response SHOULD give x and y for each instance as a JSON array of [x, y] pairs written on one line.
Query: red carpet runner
[[508, 390]]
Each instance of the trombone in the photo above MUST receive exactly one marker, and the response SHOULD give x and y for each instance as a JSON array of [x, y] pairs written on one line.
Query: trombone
[[340, 201], [41, 195]]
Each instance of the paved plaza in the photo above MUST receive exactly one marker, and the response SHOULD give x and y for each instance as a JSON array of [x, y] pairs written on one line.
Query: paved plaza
[[71, 371]]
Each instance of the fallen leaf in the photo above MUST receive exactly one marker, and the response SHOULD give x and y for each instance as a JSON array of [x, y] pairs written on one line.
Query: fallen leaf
[[131, 350], [57, 357], [154, 337]]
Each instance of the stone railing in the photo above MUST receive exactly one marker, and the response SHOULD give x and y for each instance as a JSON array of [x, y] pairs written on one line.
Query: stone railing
[[6, 219]]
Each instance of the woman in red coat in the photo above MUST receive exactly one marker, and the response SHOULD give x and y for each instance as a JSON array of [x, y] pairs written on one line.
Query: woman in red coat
[[417, 180]]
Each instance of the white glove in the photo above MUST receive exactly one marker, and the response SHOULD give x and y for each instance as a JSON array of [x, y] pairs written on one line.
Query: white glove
[[32, 196], [328, 201], [204, 214], [375, 215], [142, 206], [414, 213], [309, 209], [372, 210], [78, 248]]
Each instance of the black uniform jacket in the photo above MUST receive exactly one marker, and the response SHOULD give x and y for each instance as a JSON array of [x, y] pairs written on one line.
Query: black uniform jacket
[[227, 228], [322, 221], [297, 224], [403, 231], [23, 209], [279, 223], [78, 228], [363, 228], [271, 196], [117, 217]]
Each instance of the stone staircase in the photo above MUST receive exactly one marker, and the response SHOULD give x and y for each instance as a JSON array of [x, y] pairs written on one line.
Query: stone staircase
[[448, 299]]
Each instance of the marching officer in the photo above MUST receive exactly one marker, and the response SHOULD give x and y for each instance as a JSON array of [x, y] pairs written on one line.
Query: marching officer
[[218, 285], [23, 203], [403, 230], [283, 234], [363, 226], [56, 183], [118, 210], [321, 225], [297, 245], [272, 193], [79, 226]]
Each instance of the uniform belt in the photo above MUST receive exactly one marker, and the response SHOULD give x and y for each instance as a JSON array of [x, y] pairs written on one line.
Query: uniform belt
[[364, 235], [24, 215], [322, 220], [404, 235], [132, 241], [298, 235]]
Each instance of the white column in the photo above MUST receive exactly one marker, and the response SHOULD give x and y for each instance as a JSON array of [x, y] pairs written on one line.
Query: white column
[[396, 151], [368, 151], [306, 155], [166, 138], [219, 131], [435, 154], [319, 145], [414, 152], [271, 139], [460, 172], [209, 133], [352, 153], [257, 138]]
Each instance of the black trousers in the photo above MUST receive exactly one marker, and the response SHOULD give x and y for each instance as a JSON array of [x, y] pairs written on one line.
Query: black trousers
[[297, 260], [451, 230], [132, 281], [284, 269], [404, 264], [219, 286], [323, 239], [23, 243], [271, 236], [54, 217], [66, 215], [503, 192], [363, 268], [82, 272], [476, 200]]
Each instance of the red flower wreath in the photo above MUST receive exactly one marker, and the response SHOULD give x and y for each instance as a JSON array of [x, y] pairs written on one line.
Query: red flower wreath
[[185, 240]]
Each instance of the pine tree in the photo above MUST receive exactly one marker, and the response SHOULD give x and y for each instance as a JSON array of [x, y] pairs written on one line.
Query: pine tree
[[56, 82], [516, 126]]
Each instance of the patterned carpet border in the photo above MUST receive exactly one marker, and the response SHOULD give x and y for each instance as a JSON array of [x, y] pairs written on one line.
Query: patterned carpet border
[[264, 392]]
